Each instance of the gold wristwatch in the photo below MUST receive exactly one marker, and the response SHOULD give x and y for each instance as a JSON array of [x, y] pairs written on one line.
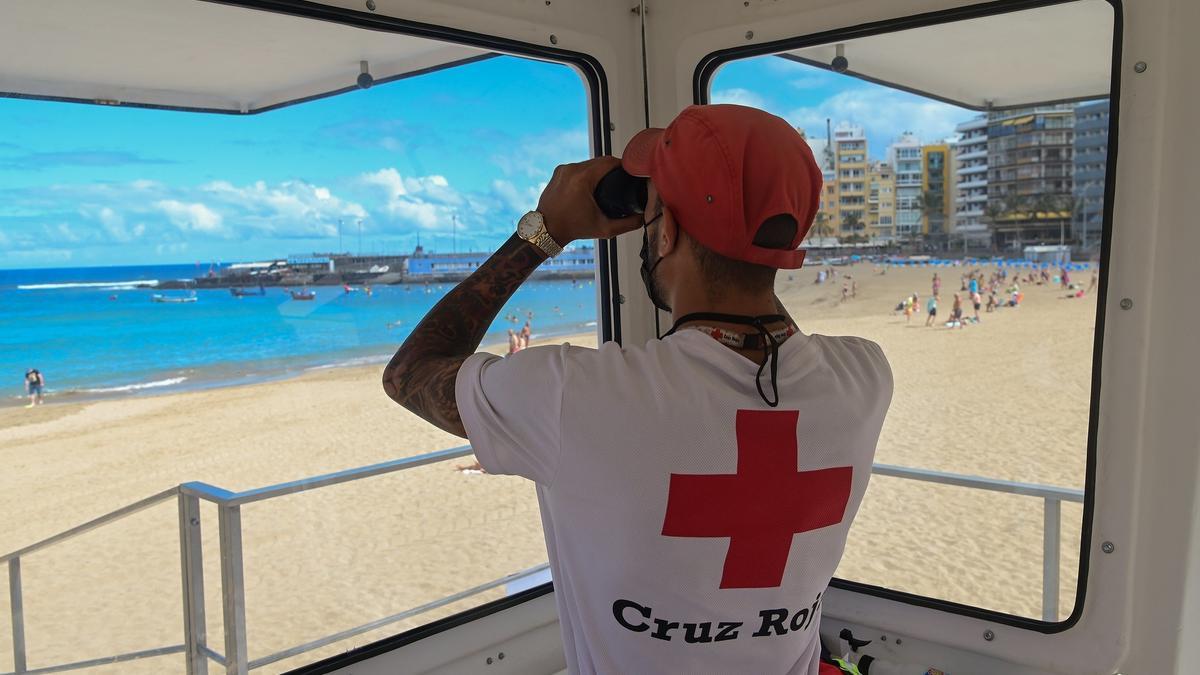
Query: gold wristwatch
[[532, 228]]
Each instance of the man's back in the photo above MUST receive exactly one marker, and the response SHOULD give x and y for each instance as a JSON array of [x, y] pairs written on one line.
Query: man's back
[[690, 526]]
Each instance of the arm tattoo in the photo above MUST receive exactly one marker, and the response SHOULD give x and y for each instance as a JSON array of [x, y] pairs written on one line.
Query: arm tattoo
[[422, 374]]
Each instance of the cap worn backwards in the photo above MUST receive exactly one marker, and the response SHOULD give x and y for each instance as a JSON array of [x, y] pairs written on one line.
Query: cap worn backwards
[[724, 170]]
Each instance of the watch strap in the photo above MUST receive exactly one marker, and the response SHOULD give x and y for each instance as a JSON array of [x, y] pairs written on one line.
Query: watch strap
[[544, 241]]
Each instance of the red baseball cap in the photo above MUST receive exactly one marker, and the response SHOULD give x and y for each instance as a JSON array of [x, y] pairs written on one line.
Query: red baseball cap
[[723, 170]]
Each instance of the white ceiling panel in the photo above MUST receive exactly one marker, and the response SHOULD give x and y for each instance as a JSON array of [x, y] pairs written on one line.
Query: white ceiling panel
[[192, 54], [1058, 52]]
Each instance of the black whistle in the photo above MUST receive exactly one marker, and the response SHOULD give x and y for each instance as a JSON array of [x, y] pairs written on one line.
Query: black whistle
[[620, 195]]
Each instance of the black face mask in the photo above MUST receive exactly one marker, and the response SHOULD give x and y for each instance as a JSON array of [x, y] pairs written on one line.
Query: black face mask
[[647, 269]]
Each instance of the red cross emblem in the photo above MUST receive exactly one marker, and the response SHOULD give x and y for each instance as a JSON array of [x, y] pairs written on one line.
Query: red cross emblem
[[761, 506]]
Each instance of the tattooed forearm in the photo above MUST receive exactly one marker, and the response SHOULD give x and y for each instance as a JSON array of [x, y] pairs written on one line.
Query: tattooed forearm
[[421, 375]]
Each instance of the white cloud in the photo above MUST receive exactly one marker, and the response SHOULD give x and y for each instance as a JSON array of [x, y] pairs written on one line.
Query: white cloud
[[178, 247], [809, 81], [389, 179], [110, 218], [739, 96], [113, 223], [191, 216], [428, 202], [516, 199], [884, 113], [536, 156], [290, 208]]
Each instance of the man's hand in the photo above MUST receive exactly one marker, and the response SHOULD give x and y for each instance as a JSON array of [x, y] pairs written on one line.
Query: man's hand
[[570, 211]]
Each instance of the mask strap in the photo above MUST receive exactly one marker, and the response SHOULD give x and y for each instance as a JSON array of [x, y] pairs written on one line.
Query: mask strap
[[770, 344], [770, 354]]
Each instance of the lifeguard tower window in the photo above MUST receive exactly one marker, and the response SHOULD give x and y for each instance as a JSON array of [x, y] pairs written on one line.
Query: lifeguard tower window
[[209, 271], [962, 227]]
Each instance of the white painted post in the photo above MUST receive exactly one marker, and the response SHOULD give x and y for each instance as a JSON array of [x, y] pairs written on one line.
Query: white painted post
[[233, 590], [191, 560], [18, 615], [1050, 555]]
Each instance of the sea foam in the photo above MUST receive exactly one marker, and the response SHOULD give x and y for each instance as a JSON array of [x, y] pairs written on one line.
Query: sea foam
[[107, 285], [135, 387]]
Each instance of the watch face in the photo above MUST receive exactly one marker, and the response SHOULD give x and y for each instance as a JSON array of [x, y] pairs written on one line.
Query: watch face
[[528, 226]]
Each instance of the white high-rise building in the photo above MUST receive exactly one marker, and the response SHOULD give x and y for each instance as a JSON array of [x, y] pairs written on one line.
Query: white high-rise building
[[905, 157], [971, 179]]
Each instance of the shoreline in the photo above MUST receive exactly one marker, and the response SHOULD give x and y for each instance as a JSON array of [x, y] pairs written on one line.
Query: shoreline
[[214, 376], [1007, 398]]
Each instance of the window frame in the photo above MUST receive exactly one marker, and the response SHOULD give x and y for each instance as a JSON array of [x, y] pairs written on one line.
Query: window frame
[[589, 68], [595, 82], [702, 77]]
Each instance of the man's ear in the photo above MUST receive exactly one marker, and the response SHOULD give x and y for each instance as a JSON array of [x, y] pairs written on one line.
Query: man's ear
[[667, 235]]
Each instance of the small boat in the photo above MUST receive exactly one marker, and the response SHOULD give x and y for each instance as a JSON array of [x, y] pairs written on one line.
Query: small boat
[[303, 295], [158, 297]]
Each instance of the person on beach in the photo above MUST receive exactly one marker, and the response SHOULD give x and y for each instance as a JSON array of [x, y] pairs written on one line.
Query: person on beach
[[991, 303], [514, 342], [937, 284], [34, 386], [677, 481], [956, 312], [977, 301], [526, 332], [931, 310]]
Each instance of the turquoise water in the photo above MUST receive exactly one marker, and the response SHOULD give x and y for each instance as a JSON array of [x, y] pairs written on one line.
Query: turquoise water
[[91, 334]]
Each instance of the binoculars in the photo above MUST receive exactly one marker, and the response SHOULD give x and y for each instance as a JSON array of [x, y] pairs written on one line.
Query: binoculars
[[620, 195]]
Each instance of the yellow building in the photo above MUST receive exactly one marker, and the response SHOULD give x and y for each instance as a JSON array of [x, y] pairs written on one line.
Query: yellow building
[[850, 166], [936, 200], [825, 224], [881, 202]]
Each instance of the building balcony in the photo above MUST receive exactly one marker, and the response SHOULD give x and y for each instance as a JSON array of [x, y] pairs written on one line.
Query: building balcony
[[976, 183], [972, 125], [966, 170], [972, 154]]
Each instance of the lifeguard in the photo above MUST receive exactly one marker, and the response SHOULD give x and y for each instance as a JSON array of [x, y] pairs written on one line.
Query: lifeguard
[[696, 491]]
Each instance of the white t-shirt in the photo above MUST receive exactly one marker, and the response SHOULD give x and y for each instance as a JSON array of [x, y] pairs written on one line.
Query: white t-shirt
[[690, 526]]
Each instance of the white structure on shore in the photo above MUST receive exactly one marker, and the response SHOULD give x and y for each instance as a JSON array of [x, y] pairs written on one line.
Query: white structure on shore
[[905, 157], [971, 181]]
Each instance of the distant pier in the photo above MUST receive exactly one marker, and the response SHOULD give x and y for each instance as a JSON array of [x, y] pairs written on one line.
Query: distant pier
[[341, 269]]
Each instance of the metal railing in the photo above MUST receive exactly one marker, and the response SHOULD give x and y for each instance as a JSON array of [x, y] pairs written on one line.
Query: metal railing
[[236, 658], [1052, 497]]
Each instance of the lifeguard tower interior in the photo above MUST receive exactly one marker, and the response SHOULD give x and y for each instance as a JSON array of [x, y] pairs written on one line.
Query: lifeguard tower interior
[[1033, 511]]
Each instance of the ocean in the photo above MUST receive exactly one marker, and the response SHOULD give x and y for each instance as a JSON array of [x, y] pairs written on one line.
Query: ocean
[[92, 334]]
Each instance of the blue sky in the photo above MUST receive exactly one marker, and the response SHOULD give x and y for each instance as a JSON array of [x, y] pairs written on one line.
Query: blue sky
[[93, 185]]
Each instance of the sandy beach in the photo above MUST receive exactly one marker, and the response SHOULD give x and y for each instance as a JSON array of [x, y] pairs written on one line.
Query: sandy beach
[[1006, 399]]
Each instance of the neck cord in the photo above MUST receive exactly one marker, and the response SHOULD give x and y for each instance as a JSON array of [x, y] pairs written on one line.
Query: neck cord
[[769, 343]]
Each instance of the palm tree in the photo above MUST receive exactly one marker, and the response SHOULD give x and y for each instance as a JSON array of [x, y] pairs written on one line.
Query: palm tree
[[933, 206], [821, 225], [851, 221], [992, 213]]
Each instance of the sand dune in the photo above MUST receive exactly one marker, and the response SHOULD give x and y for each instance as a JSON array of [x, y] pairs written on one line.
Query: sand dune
[[1006, 399]]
